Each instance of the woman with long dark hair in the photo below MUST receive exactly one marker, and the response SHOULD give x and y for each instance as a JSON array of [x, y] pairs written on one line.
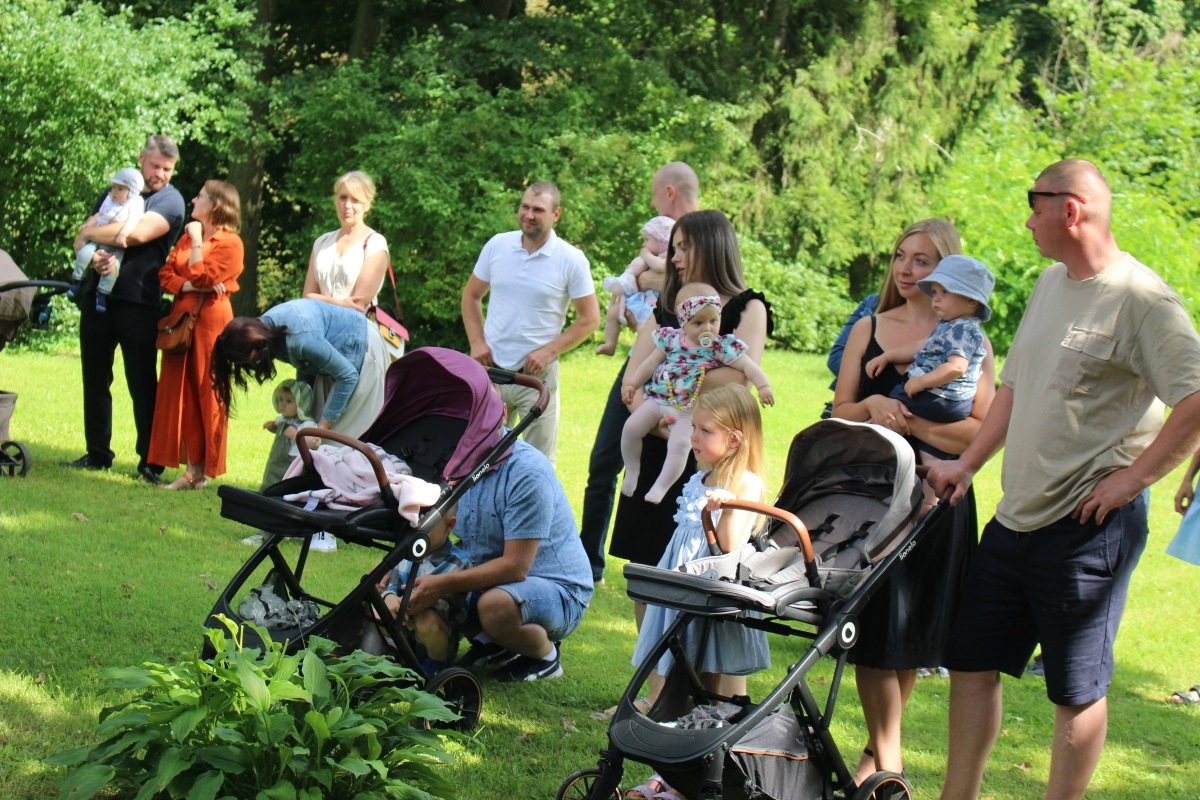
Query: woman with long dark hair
[[703, 249], [322, 341]]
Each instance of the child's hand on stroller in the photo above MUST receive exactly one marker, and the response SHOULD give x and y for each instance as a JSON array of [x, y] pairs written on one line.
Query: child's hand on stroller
[[717, 498], [393, 603]]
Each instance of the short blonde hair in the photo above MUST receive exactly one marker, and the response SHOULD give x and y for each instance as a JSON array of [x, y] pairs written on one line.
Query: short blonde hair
[[359, 186], [227, 206]]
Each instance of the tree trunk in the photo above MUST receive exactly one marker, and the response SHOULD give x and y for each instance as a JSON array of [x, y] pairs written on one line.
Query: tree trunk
[[247, 167], [366, 29], [497, 9]]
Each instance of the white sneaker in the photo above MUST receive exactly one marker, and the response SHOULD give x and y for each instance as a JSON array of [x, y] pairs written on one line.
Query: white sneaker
[[323, 542]]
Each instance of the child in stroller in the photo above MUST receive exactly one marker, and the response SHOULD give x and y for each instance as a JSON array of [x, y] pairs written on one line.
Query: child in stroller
[[436, 628]]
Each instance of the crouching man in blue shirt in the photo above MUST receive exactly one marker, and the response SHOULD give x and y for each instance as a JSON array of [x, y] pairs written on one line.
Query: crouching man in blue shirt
[[529, 581]]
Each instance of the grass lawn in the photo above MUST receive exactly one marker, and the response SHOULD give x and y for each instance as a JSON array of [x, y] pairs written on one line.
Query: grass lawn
[[103, 571]]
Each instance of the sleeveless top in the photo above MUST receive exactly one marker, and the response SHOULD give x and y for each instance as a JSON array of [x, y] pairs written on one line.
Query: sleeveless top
[[731, 313], [641, 530], [906, 624], [886, 380]]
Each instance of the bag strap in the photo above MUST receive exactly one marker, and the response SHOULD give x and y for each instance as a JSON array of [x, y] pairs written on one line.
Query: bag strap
[[195, 312], [392, 277]]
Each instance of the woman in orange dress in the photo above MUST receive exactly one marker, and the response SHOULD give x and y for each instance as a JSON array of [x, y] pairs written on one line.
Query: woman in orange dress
[[189, 426]]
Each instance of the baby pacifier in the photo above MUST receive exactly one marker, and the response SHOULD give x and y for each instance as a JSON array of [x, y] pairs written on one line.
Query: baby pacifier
[[705, 339]]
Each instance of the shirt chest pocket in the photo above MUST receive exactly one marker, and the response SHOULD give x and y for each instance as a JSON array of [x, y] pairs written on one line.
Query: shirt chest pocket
[[1083, 360]]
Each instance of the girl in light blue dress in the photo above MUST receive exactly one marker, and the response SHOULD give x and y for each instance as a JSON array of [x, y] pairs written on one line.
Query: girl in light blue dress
[[728, 443]]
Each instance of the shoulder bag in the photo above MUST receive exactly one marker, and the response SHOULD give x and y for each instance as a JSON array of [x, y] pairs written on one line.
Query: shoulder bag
[[394, 334], [175, 330]]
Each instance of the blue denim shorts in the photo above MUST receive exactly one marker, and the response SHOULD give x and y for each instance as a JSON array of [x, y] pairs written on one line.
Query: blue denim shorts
[[1063, 586], [542, 602]]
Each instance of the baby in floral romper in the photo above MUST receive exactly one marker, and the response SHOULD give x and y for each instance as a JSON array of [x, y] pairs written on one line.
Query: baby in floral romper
[[672, 376]]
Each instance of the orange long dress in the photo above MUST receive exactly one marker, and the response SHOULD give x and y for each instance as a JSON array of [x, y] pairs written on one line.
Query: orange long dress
[[185, 409]]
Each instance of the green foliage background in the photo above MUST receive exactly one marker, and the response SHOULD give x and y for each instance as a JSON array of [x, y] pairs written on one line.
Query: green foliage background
[[822, 128]]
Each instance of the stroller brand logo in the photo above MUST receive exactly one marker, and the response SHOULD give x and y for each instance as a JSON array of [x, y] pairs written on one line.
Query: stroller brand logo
[[908, 549], [477, 474]]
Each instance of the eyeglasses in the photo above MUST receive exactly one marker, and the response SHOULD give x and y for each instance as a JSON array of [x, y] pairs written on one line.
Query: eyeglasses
[[1032, 194]]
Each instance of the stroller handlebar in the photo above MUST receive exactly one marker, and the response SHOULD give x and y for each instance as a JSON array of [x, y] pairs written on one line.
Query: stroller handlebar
[[505, 377], [787, 517], [385, 489]]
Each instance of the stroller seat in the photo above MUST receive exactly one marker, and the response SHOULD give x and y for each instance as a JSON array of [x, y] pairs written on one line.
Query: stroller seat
[[854, 489], [425, 445]]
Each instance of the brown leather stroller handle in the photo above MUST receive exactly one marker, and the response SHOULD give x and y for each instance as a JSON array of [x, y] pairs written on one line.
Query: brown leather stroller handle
[[504, 376], [788, 517], [340, 438]]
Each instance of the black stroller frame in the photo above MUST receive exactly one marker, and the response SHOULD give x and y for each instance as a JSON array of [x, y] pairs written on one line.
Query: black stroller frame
[[802, 580], [14, 456], [423, 444]]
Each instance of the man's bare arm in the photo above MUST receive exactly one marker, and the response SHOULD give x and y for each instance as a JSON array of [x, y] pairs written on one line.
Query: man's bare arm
[[149, 227]]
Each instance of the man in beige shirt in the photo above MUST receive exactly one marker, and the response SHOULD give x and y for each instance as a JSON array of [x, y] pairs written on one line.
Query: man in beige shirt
[[1082, 429]]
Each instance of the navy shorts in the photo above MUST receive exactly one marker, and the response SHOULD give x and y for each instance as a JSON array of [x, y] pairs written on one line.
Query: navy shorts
[[932, 407], [1063, 586]]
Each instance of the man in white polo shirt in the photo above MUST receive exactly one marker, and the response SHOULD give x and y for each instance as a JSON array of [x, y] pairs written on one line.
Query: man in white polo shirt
[[531, 275]]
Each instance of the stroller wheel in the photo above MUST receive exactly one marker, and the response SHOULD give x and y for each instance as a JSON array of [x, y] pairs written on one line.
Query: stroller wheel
[[14, 459], [884, 786], [462, 692], [579, 786]]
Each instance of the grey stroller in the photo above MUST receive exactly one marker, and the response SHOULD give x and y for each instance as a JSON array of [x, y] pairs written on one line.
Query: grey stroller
[[848, 511], [21, 300]]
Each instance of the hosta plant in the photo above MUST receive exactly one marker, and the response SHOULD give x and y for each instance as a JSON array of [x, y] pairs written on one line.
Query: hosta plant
[[264, 725]]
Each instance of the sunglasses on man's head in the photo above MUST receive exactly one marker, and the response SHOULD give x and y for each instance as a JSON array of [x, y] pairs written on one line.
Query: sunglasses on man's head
[[1032, 194]]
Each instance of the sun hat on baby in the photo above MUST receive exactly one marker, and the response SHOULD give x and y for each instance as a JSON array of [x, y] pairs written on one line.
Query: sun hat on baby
[[964, 276], [130, 178]]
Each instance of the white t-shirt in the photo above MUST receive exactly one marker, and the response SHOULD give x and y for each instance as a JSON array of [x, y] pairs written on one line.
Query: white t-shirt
[[529, 293], [1090, 367], [336, 275], [132, 209]]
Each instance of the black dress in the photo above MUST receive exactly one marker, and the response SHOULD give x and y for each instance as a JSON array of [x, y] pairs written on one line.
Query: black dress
[[641, 530], [906, 623]]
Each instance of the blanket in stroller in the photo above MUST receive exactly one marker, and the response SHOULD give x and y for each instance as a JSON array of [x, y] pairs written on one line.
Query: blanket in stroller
[[350, 481]]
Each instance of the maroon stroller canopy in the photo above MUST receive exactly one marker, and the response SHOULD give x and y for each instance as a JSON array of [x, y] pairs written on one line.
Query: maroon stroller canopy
[[437, 381]]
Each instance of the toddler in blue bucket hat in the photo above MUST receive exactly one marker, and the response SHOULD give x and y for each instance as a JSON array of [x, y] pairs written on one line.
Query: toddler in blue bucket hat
[[946, 367]]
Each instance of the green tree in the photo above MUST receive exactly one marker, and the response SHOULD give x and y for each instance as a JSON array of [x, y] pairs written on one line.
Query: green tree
[[82, 91]]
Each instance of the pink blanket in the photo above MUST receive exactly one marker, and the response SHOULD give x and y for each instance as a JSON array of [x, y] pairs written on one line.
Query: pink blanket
[[350, 482]]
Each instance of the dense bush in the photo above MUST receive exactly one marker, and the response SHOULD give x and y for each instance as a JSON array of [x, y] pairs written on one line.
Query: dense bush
[[820, 128], [254, 724]]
